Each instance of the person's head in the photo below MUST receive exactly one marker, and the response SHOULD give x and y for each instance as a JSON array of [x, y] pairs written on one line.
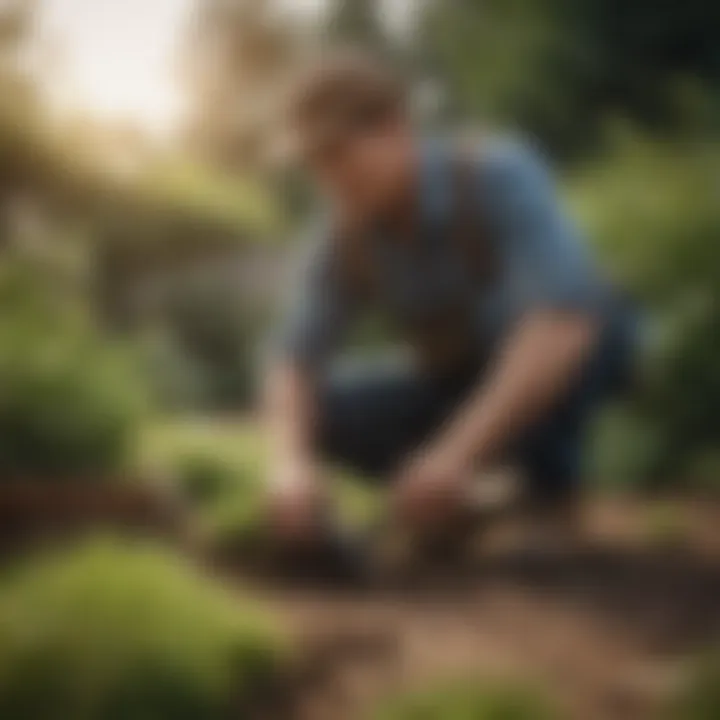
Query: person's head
[[351, 127]]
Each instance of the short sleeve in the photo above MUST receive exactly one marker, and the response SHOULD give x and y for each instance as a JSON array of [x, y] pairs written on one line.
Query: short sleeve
[[546, 261]]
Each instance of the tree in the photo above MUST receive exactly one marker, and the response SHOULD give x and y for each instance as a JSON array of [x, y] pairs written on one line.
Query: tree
[[237, 60], [559, 68]]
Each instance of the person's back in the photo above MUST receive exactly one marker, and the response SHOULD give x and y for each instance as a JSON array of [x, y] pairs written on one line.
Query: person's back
[[516, 335]]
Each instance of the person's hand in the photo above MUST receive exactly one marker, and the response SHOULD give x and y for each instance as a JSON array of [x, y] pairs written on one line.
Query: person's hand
[[431, 488], [296, 499]]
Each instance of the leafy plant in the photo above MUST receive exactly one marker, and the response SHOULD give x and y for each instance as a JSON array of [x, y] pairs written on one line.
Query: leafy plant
[[70, 399], [205, 477], [237, 524], [651, 207], [111, 632]]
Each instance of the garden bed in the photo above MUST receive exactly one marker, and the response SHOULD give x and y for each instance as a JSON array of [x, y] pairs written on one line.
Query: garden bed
[[36, 511]]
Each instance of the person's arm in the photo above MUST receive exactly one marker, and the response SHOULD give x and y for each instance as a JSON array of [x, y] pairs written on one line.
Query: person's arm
[[538, 363], [317, 315], [556, 298], [289, 405]]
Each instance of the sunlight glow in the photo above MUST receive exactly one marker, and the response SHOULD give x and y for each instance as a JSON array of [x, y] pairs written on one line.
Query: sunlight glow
[[118, 58]]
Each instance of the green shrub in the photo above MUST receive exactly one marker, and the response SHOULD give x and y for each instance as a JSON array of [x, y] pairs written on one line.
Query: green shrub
[[216, 331], [235, 524], [651, 206], [469, 701], [70, 415], [222, 466], [237, 445], [699, 697], [114, 632], [205, 477], [70, 400], [623, 451]]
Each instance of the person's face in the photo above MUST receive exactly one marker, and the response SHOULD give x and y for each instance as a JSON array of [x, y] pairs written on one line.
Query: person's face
[[365, 172]]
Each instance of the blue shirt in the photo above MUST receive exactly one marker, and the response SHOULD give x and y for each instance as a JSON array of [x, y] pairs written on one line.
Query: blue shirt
[[543, 262]]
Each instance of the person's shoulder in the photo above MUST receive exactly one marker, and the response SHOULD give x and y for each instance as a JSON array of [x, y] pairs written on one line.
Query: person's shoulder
[[500, 161], [509, 159]]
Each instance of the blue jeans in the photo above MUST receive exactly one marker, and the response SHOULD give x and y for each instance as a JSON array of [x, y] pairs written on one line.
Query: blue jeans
[[373, 415]]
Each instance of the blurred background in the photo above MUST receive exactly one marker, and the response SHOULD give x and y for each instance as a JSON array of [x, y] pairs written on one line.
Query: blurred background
[[145, 231]]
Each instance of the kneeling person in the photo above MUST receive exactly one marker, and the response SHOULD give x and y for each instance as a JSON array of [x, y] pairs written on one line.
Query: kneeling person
[[515, 335]]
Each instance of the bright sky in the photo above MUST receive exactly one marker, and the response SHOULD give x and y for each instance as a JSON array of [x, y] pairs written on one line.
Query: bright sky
[[118, 56]]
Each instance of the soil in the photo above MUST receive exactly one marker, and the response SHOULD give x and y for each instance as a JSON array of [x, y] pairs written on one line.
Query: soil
[[40, 512], [604, 626]]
